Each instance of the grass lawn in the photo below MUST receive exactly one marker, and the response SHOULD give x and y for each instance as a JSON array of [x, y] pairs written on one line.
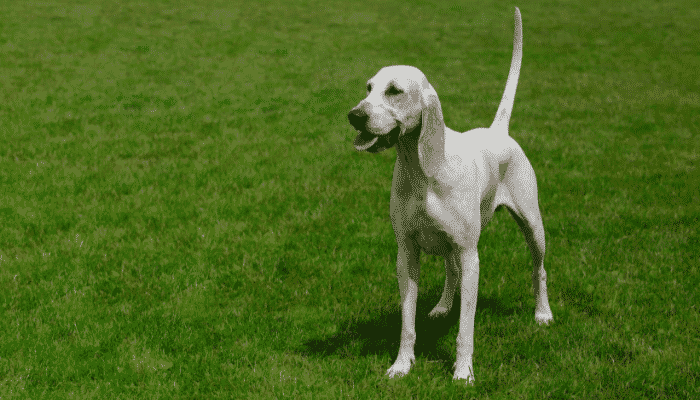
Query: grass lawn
[[183, 215]]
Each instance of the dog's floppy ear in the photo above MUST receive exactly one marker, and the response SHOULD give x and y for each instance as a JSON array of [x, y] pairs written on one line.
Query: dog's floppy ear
[[432, 120], [431, 145]]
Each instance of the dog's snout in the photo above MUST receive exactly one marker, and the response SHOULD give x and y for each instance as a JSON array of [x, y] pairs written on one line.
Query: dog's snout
[[358, 118]]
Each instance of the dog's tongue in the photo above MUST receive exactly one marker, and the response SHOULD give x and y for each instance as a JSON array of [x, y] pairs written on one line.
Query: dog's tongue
[[364, 141]]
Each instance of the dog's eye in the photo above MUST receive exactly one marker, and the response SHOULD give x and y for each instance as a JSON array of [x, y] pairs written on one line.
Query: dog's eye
[[393, 90]]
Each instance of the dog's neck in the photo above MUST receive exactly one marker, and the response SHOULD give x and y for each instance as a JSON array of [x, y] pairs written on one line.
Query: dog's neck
[[424, 149]]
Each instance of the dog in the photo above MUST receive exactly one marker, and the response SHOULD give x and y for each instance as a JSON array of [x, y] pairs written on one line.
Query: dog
[[445, 189]]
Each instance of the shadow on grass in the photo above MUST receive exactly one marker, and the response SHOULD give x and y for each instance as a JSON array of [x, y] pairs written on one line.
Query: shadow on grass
[[376, 331], [584, 301]]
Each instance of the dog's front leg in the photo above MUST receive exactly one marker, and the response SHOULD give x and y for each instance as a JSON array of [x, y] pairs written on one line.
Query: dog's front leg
[[408, 273], [469, 260]]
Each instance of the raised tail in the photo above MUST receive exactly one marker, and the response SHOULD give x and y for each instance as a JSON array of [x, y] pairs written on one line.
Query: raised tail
[[506, 107]]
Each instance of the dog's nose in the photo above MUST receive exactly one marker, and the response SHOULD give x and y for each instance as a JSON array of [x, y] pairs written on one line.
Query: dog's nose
[[357, 118]]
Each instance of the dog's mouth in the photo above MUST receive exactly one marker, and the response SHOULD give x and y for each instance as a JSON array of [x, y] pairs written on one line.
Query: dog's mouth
[[371, 143]]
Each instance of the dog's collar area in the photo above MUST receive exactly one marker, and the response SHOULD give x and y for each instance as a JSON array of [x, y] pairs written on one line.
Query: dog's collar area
[[416, 130], [410, 137]]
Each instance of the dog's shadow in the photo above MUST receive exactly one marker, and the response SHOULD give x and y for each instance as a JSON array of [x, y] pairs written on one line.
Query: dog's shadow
[[376, 331]]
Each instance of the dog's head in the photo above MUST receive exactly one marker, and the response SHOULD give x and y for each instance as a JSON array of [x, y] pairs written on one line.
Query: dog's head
[[399, 100]]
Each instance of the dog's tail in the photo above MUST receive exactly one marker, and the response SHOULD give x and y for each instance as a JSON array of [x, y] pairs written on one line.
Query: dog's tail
[[506, 107]]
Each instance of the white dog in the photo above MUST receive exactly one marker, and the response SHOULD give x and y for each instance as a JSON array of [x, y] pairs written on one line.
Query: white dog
[[445, 189]]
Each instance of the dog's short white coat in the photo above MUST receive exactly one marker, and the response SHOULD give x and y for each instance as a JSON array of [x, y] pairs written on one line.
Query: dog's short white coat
[[445, 189]]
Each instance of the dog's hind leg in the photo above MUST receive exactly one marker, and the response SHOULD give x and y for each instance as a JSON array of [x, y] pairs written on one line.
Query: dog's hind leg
[[451, 282], [524, 208]]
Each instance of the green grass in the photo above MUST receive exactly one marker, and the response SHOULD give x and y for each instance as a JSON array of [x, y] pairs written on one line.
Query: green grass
[[183, 214]]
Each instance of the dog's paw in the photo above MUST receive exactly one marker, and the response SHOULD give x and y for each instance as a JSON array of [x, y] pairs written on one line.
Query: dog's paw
[[464, 369], [544, 318], [468, 380], [400, 367], [467, 377], [439, 312]]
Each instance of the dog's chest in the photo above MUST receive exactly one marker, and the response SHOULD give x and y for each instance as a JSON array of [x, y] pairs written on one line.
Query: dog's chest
[[429, 223]]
